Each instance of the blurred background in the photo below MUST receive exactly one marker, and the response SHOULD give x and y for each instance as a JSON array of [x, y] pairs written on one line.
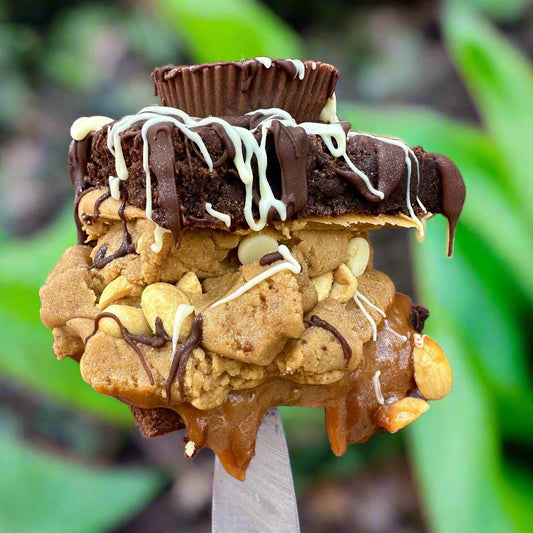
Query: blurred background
[[455, 77]]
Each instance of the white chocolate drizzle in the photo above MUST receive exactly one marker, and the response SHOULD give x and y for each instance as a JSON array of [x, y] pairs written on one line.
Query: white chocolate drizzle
[[265, 61], [182, 312], [114, 187], [290, 263], [329, 111], [82, 126], [300, 68], [217, 214], [157, 245], [377, 387], [419, 340], [359, 300], [408, 154]]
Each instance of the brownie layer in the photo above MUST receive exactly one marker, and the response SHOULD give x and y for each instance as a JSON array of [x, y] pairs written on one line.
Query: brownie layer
[[332, 188]]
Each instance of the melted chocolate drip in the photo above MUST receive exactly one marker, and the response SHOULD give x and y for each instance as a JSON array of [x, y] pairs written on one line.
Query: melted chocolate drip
[[98, 203], [78, 157], [125, 248], [162, 164], [346, 348], [389, 171], [128, 337], [453, 194], [88, 219], [291, 148], [181, 356], [270, 258], [391, 166], [158, 340]]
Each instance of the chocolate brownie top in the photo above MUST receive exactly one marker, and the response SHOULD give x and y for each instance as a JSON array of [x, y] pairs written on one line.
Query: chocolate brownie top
[[249, 170]]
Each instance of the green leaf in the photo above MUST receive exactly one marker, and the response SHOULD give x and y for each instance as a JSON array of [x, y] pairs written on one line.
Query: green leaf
[[501, 81], [223, 30], [505, 10], [518, 487], [454, 449], [455, 446], [48, 494], [29, 261], [489, 211]]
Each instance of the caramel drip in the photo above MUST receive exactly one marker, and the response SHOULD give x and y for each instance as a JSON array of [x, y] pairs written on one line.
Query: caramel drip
[[162, 164], [129, 338], [231, 429], [125, 248], [318, 322], [181, 356], [453, 194]]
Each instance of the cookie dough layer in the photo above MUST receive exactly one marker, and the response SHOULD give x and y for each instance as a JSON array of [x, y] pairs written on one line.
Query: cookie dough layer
[[317, 335]]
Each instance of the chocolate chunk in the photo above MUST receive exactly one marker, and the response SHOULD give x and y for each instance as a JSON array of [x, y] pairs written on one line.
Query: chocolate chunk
[[418, 316], [156, 422]]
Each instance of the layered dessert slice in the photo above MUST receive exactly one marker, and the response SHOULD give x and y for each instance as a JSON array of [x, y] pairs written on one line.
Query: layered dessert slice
[[224, 266]]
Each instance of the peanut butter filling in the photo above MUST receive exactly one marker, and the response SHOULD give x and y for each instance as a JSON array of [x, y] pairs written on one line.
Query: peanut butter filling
[[225, 325]]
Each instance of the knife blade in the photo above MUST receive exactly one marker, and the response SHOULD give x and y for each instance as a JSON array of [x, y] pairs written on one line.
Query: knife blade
[[265, 501]]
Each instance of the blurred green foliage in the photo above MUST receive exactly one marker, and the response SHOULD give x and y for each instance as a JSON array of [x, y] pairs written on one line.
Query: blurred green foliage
[[53, 494], [480, 301]]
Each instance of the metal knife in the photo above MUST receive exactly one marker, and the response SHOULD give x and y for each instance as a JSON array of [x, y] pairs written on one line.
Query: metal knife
[[265, 501]]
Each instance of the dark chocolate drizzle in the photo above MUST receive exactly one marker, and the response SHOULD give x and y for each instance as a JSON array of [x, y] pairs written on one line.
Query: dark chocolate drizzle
[[346, 348], [78, 157], [291, 148], [125, 248], [98, 203], [181, 356], [391, 166], [162, 164], [128, 337], [270, 258], [453, 194], [158, 339]]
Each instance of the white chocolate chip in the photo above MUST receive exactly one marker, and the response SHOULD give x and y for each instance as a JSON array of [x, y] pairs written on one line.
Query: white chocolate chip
[[132, 318], [323, 285], [254, 247], [359, 251], [82, 126], [190, 448]]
